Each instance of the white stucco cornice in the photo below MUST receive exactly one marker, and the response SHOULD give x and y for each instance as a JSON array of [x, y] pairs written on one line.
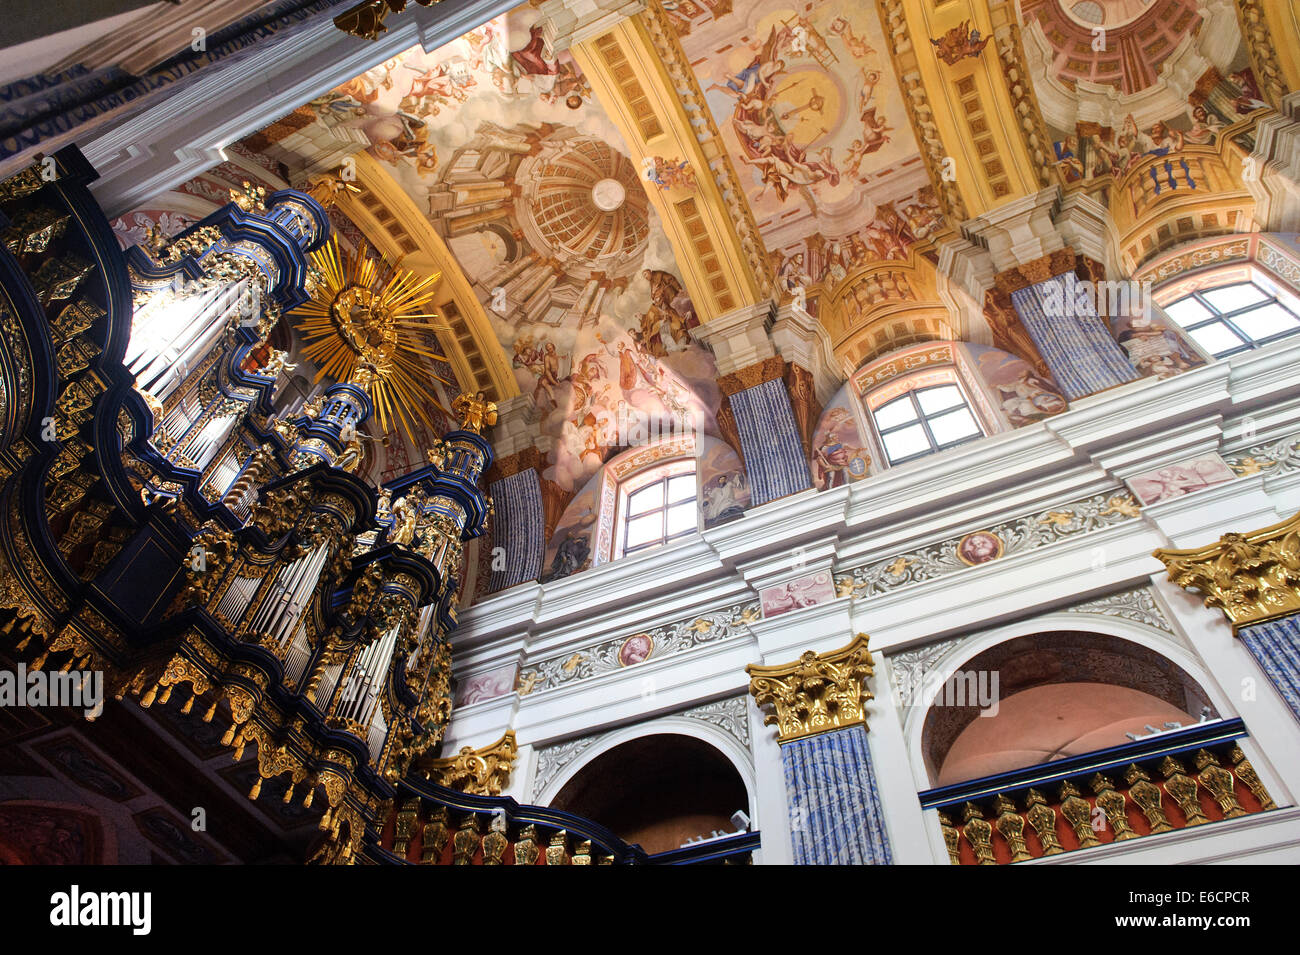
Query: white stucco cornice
[[183, 134]]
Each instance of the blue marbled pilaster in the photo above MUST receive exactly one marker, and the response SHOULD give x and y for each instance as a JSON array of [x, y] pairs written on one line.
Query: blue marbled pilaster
[[835, 814], [1073, 339], [1276, 648], [518, 527], [769, 437]]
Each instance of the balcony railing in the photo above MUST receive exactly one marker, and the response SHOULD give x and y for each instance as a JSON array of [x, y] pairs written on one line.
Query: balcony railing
[[435, 825], [1173, 780]]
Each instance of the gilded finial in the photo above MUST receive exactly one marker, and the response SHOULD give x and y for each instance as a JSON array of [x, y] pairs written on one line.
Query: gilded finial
[[249, 197]]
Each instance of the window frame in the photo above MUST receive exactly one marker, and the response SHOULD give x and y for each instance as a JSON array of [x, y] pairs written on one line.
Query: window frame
[[1248, 342], [921, 418], [660, 475]]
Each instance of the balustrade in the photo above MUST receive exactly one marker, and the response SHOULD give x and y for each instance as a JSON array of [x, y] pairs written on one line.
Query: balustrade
[[1175, 780], [436, 825]]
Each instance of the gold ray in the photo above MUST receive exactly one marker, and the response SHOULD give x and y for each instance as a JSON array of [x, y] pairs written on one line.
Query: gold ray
[[370, 322]]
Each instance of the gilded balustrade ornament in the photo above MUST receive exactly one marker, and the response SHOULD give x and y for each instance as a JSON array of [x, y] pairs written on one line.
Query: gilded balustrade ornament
[[1251, 577], [1043, 818], [979, 833], [817, 693]]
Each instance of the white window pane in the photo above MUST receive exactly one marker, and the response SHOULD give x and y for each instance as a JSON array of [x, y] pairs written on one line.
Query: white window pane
[[681, 488], [1265, 322], [646, 499], [954, 425], [939, 399], [899, 411], [904, 443], [1232, 297], [1216, 338], [681, 517], [1188, 312], [644, 530]]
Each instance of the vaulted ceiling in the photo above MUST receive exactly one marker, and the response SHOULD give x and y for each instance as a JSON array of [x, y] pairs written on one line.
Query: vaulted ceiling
[[593, 191]]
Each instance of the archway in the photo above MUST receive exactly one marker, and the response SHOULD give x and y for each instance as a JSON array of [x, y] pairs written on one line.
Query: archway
[[658, 791], [1058, 694]]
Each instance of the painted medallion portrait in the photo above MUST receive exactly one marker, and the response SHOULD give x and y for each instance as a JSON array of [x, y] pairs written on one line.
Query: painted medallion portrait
[[979, 548], [635, 649]]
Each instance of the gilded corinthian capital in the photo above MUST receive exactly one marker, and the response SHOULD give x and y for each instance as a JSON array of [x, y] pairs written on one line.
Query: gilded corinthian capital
[[816, 693], [1251, 577]]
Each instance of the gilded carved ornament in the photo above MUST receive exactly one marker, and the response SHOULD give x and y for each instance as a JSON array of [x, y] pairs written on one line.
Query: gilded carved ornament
[[484, 771], [367, 323], [476, 412], [1251, 577], [816, 693]]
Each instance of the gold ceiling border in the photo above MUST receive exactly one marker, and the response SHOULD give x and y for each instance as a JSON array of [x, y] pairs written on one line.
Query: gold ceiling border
[[1024, 100], [817, 693], [1262, 36], [687, 87], [642, 81], [1252, 577], [903, 55], [982, 106]]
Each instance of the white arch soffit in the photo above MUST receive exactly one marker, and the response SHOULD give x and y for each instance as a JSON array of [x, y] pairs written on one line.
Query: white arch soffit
[[723, 742], [1105, 625]]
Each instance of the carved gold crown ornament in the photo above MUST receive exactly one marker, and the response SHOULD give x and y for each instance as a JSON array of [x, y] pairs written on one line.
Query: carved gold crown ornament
[[1251, 577], [816, 693], [368, 323]]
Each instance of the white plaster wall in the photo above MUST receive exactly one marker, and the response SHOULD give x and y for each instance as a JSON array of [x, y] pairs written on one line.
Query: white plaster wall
[[1086, 451]]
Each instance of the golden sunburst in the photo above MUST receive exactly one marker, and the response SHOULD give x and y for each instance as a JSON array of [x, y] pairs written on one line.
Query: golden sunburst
[[368, 323]]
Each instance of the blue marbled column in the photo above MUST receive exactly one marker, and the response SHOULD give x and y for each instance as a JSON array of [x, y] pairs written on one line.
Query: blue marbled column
[[835, 814], [774, 456], [1073, 339], [1275, 645]]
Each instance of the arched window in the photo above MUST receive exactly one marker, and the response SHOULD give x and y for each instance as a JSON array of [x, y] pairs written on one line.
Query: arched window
[[657, 506], [1237, 317], [930, 414]]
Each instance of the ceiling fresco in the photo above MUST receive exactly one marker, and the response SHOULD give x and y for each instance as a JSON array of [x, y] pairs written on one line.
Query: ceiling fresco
[[508, 157], [1140, 35], [1122, 80], [812, 116], [528, 182]]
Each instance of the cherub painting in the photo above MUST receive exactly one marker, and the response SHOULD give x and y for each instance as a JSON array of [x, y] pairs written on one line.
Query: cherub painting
[[669, 173], [958, 43]]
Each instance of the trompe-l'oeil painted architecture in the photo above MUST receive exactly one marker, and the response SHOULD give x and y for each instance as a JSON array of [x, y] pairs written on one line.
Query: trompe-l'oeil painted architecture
[[652, 433]]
